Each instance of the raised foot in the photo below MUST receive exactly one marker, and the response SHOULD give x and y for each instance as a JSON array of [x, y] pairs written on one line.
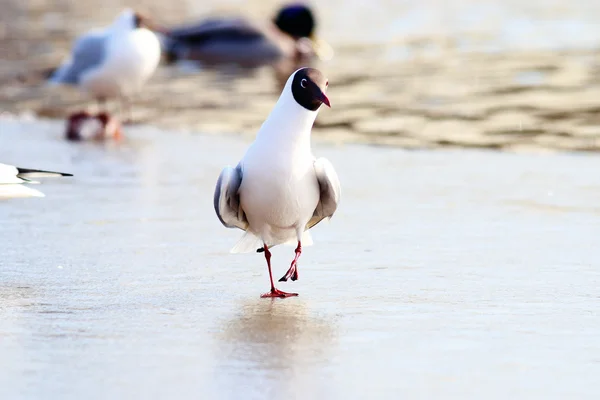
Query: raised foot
[[278, 293], [292, 274]]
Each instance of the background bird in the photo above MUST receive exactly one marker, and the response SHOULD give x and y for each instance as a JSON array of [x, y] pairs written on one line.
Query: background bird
[[12, 179], [279, 190], [114, 62], [289, 36]]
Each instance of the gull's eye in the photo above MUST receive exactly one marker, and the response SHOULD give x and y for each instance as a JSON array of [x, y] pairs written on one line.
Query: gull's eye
[[303, 83]]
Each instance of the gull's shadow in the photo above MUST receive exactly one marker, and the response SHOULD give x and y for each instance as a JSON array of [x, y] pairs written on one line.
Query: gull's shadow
[[275, 344]]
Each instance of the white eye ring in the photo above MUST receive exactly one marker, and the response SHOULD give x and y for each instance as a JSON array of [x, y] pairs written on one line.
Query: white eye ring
[[303, 83]]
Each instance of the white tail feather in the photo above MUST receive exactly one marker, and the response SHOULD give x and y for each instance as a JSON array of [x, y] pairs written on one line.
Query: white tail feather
[[306, 239], [249, 242]]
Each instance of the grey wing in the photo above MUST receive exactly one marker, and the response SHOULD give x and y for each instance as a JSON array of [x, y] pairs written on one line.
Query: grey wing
[[330, 191], [227, 199], [211, 38], [88, 52], [236, 28]]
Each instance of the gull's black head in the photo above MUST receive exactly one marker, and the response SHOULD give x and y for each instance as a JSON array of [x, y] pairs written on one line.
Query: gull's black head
[[308, 87], [296, 20]]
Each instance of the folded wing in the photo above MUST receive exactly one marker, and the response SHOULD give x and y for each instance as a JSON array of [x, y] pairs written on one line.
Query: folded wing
[[227, 199], [88, 53], [330, 191]]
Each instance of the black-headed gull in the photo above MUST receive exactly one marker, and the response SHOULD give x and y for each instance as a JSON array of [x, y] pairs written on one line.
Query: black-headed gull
[[278, 191], [114, 62], [12, 179]]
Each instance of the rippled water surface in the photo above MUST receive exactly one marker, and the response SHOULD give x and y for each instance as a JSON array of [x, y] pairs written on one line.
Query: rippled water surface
[[448, 274]]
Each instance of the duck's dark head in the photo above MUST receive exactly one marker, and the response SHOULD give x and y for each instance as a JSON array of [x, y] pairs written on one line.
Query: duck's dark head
[[296, 20]]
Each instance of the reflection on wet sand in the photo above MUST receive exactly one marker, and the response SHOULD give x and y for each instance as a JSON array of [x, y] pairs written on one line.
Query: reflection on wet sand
[[278, 341], [13, 296]]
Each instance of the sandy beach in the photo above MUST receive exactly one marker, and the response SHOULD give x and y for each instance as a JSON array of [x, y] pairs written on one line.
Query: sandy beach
[[450, 274]]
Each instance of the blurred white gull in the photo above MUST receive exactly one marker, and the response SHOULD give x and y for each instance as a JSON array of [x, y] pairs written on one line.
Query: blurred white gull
[[114, 62], [12, 179]]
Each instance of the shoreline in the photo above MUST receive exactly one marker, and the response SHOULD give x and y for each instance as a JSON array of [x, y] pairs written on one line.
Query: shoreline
[[417, 92], [320, 137]]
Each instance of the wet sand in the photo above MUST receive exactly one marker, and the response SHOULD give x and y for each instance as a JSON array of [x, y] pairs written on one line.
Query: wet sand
[[446, 274], [480, 74]]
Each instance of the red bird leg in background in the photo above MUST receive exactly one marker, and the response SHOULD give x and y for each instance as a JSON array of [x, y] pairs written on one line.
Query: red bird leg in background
[[293, 271], [274, 292]]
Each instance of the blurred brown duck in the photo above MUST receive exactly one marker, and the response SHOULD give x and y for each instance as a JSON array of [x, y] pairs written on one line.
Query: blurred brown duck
[[290, 36]]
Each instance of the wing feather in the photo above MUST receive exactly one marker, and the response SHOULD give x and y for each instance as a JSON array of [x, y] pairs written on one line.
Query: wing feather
[[330, 192], [227, 199], [88, 53]]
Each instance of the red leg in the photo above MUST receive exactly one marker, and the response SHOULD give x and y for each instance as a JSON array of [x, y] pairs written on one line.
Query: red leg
[[74, 124], [293, 271], [274, 292]]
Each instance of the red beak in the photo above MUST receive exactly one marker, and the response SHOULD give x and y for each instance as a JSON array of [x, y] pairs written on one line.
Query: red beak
[[324, 99]]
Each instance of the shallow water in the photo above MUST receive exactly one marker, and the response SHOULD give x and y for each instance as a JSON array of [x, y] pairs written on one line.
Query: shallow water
[[488, 74], [487, 25], [447, 274]]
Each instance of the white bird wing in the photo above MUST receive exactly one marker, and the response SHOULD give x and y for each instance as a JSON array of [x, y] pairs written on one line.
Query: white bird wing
[[330, 192], [227, 198], [89, 52], [11, 179], [10, 174]]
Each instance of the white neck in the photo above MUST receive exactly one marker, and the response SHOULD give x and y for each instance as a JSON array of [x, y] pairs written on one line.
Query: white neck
[[289, 124]]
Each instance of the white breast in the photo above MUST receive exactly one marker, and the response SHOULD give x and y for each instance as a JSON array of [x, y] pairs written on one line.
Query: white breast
[[131, 58], [279, 190]]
